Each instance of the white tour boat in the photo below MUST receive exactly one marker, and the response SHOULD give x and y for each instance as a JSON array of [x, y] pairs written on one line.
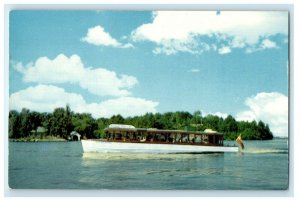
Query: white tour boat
[[128, 139]]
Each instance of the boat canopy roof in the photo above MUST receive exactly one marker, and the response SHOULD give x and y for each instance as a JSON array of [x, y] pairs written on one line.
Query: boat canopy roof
[[121, 126], [124, 128], [208, 130]]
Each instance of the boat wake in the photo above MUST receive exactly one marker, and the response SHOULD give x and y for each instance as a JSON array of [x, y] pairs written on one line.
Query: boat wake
[[265, 151]]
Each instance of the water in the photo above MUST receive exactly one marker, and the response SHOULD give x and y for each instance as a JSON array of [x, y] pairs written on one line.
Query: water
[[62, 165]]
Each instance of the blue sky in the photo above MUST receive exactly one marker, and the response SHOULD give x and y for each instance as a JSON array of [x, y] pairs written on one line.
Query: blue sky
[[130, 63]]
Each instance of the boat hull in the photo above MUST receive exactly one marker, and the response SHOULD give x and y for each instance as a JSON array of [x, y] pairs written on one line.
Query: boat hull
[[120, 147]]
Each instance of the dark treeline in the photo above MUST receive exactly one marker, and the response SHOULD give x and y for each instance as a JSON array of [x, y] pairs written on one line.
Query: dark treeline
[[62, 121]]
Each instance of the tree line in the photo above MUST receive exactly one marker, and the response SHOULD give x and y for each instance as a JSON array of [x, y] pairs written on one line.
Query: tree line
[[62, 121]]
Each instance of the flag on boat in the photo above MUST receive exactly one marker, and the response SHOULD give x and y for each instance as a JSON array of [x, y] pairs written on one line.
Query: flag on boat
[[239, 141]]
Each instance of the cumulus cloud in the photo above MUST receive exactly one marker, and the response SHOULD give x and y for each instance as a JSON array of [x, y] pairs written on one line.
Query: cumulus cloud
[[126, 106], [185, 31], [97, 36], [271, 108], [59, 70], [45, 98], [63, 69]]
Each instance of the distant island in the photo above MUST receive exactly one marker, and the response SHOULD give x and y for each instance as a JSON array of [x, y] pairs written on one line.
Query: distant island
[[56, 126]]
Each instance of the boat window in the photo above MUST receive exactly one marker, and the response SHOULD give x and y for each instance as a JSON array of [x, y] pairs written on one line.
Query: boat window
[[217, 140], [205, 139], [132, 136], [185, 138], [192, 138], [198, 139], [163, 137], [143, 136], [157, 137], [172, 137], [108, 135], [125, 136], [139, 136], [211, 139], [117, 136], [221, 140], [178, 138], [149, 137]]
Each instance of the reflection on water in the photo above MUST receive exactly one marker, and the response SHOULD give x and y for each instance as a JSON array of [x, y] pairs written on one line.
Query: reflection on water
[[141, 156]]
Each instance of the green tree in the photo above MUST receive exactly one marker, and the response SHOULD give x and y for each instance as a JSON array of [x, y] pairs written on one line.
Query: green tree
[[264, 131], [68, 119], [57, 122], [35, 120], [230, 124], [46, 122], [61, 122], [117, 119], [86, 125], [197, 118], [102, 123], [181, 120], [158, 121], [211, 121], [14, 124], [25, 126], [148, 120]]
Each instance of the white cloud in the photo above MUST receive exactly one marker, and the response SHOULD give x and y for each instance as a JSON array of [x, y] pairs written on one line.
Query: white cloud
[[98, 81], [224, 50], [265, 44], [268, 44], [182, 31], [271, 108], [219, 114], [104, 82], [127, 45], [59, 70], [45, 98], [126, 106], [97, 36]]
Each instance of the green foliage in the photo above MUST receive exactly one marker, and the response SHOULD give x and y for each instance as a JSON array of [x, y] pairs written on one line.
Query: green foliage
[[59, 123], [25, 126], [85, 124], [14, 124], [63, 121]]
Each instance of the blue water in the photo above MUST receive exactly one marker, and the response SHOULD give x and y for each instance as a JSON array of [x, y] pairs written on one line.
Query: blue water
[[62, 165]]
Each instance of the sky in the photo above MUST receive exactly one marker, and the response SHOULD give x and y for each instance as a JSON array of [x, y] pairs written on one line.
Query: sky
[[133, 62]]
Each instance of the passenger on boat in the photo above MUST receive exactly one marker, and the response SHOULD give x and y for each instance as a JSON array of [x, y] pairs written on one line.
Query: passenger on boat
[[170, 139]]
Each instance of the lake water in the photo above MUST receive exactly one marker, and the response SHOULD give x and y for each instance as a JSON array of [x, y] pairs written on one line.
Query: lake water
[[263, 165]]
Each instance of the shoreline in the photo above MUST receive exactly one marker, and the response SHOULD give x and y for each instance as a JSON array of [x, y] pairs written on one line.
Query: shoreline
[[38, 140]]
